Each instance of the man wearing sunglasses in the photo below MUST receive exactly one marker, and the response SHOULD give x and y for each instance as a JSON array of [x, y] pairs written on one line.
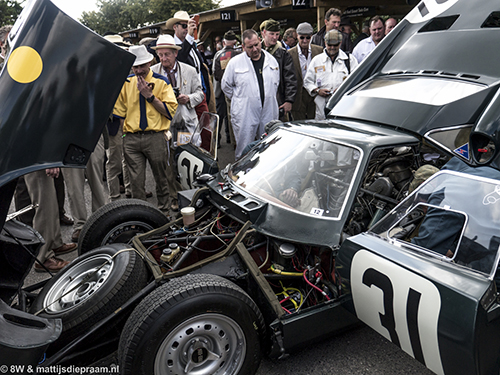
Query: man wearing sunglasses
[[302, 54], [184, 28], [327, 71]]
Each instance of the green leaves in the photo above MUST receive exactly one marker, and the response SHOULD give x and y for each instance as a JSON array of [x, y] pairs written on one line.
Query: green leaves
[[122, 15], [9, 11]]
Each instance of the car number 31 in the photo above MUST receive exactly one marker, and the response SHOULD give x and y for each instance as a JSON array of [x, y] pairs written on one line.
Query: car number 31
[[400, 305]]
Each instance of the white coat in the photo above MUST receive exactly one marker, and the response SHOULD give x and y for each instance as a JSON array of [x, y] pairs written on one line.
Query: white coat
[[323, 73], [240, 85]]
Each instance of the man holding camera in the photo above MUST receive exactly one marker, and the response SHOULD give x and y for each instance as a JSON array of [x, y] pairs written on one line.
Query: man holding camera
[[187, 87]]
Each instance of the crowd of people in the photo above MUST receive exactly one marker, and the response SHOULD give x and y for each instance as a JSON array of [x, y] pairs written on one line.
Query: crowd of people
[[175, 79]]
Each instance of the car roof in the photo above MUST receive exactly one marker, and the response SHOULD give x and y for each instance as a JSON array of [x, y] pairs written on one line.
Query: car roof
[[356, 133]]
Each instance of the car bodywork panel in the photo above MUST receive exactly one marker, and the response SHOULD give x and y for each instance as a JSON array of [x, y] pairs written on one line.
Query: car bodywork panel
[[56, 119], [443, 42], [438, 309]]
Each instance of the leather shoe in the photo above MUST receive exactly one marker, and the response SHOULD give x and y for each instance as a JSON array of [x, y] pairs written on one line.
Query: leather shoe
[[75, 235], [66, 220], [149, 194], [52, 264], [65, 248]]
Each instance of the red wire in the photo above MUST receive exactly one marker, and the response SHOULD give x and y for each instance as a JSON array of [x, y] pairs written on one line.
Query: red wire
[[315, 287]]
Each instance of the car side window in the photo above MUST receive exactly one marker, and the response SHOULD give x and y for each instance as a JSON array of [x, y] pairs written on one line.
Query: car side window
[[433, 228]]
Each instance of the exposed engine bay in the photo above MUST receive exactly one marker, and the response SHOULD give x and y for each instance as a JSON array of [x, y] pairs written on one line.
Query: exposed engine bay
[[313, 179]]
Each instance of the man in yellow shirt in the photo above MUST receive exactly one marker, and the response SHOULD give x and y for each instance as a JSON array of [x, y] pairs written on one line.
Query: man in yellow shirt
[[146, 106]]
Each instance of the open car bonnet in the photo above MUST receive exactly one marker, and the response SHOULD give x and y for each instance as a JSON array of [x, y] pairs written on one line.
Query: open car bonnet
[[434, 75], [57, 88]]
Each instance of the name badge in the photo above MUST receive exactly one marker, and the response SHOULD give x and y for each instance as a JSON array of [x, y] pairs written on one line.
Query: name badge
[[319, 69]]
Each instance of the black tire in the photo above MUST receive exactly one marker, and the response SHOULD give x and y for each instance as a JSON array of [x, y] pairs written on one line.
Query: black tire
[[197, 314], [119, 222], [103, 292]]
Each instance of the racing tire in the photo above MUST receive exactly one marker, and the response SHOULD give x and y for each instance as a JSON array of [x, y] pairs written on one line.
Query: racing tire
[[119, 222], [196, 324], [123, 275]]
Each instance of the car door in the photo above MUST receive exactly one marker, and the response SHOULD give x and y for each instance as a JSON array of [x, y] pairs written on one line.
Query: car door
[[439, 306]]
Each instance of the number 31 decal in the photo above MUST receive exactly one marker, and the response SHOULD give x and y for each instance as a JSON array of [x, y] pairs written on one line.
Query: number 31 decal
[[400, 305]]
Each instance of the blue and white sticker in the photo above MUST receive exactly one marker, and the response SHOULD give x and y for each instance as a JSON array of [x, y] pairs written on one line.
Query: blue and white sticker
[[400, 305], [463, 151], [428, 9]]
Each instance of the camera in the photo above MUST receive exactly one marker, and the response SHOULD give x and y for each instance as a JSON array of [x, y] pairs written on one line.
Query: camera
[[177, 91]]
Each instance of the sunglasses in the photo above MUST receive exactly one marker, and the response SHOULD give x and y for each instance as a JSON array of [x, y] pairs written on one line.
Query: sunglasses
[[305, 37], [334, 45], [184, 25]]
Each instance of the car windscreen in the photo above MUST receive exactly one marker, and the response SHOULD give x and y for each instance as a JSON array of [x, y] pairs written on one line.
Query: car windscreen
[[454, 216], [299, 172]]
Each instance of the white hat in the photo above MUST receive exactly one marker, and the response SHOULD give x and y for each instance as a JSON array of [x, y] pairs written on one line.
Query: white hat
[[166, 41], [142, 56], [118, 40], [181, 15]]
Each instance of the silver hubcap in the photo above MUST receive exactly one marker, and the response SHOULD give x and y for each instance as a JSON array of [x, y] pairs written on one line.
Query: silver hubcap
[[205, 344], [78, 283]]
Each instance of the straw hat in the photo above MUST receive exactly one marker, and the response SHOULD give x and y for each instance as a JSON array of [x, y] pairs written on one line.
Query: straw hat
[[166, 41], [181, 15]]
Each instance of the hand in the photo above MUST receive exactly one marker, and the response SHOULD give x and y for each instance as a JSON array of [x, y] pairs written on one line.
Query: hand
[[192, 26], [324, 92], [290, 197], [183, 99], [52, 172], [144, 87], [287, 106]]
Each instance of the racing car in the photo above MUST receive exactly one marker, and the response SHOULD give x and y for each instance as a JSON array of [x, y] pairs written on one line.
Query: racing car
[[312, 232]]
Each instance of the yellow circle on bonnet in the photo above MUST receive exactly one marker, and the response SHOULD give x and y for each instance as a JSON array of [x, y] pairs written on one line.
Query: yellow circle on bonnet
[[25, 64]]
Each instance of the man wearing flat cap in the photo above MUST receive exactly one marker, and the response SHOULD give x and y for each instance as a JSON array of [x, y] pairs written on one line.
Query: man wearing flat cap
[[302, 54], [186, 81], [287, 89], [184, 28], [327, 71], [146, 106], [221, 60]]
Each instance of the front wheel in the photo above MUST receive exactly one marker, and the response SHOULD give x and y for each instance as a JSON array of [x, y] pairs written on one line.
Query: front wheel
[[196, 324]]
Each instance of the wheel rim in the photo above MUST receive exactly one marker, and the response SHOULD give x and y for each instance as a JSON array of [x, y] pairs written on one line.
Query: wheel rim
[[205, 344], [124, 232], [78, 283]]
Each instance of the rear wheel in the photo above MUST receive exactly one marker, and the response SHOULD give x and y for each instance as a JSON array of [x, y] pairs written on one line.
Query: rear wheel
[[196, 324], [119, 222]]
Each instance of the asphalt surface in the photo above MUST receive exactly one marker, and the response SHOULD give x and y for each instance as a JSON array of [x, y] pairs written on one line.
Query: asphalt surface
[[359, 351]]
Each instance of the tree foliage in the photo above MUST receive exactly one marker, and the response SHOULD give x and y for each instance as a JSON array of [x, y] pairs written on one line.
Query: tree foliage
[[122, 15], [9, 11]]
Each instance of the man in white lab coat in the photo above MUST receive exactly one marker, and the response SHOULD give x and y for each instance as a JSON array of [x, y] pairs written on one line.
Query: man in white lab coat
[[251, 82]]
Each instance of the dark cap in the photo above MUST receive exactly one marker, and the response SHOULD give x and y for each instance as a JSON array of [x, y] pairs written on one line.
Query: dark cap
[[346, 21], [270, 25], [230, 35], [305, 28]]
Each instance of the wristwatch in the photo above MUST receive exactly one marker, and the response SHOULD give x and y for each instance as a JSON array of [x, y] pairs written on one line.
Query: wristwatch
[[150, 99]]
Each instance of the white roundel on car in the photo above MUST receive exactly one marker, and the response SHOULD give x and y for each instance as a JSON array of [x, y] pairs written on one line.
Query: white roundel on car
[[400, 305], [427, 9], [189, 167]]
